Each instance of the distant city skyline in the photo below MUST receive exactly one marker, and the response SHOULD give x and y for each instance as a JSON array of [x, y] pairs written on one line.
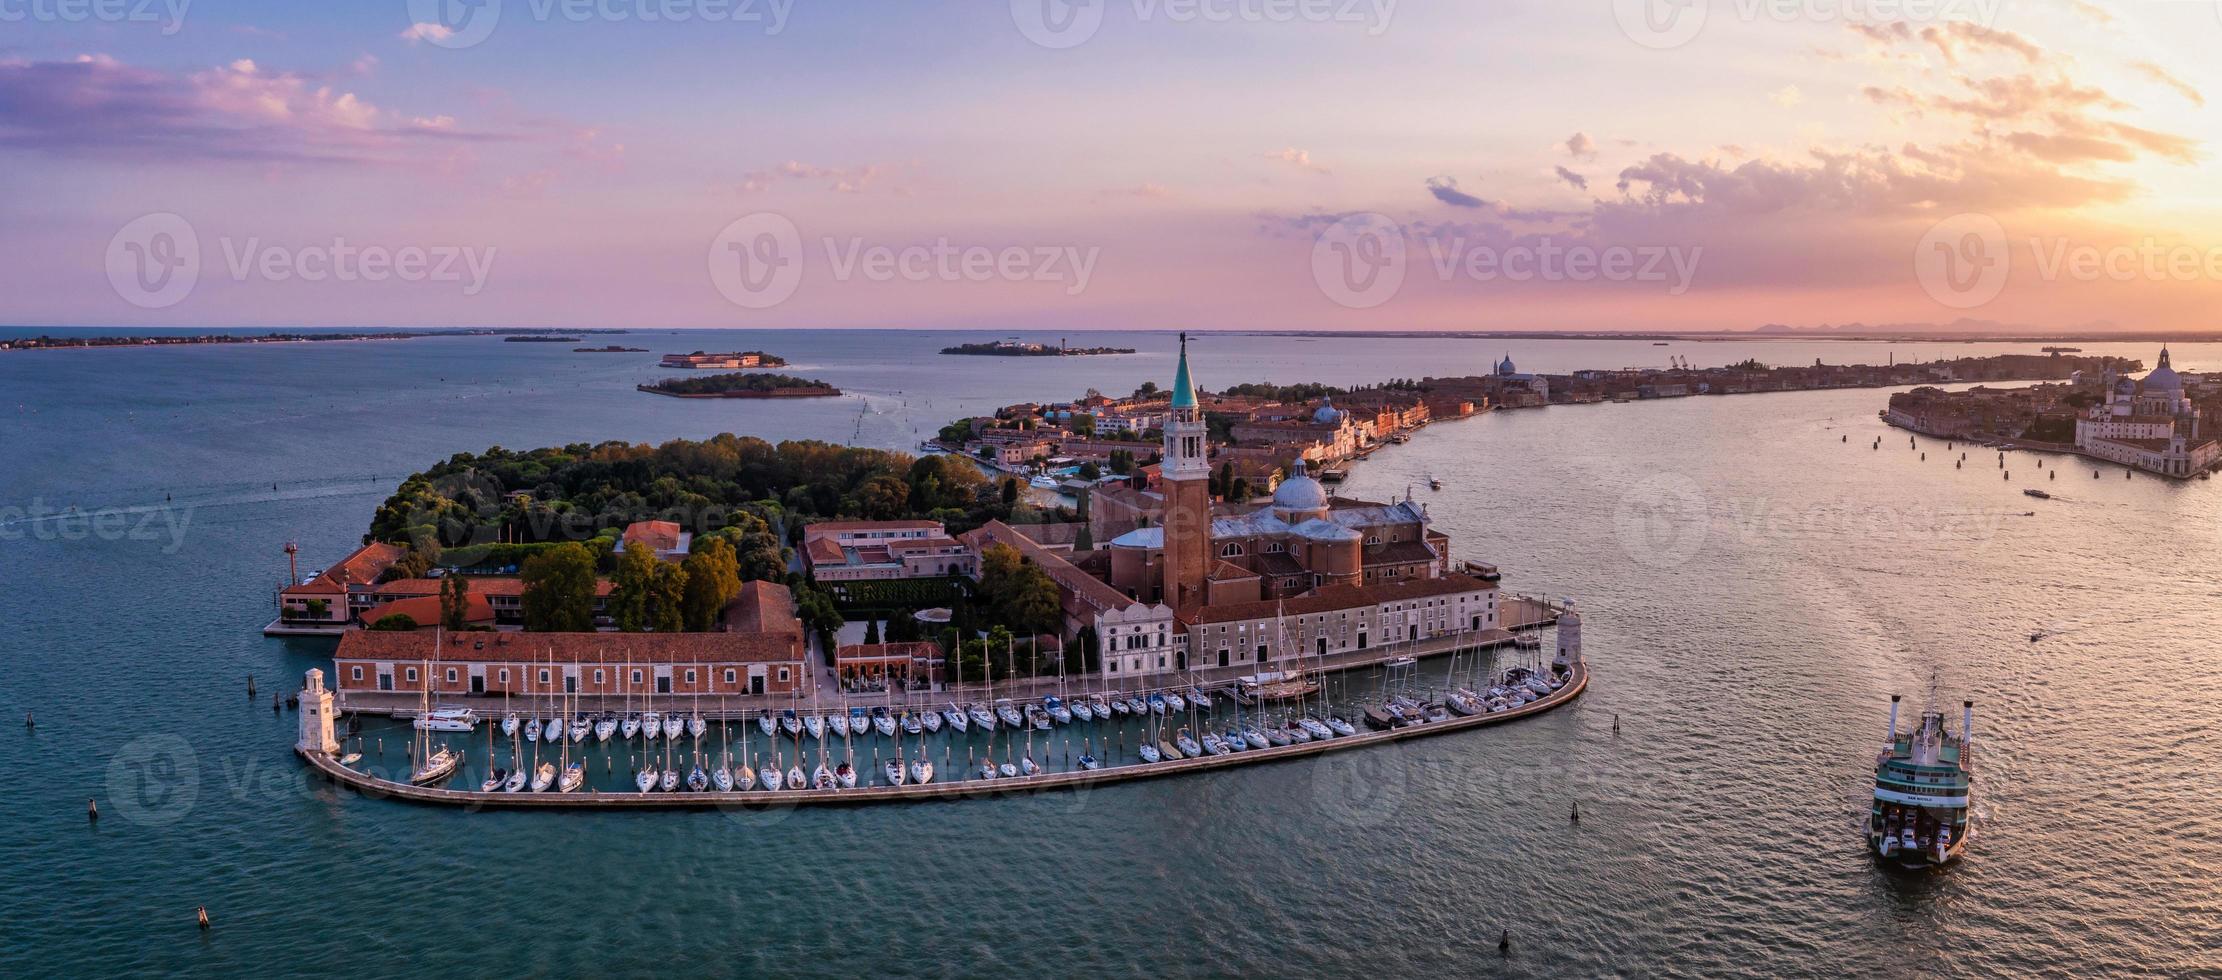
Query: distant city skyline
[[1594, 166]]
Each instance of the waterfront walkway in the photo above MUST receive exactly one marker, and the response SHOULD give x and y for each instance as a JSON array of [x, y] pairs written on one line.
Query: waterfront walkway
[[374, 785]]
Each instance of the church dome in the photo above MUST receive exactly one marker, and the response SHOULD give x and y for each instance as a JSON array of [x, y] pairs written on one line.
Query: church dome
[[1328, 414], [1505, 366], [1299, 493], [2163, 377]]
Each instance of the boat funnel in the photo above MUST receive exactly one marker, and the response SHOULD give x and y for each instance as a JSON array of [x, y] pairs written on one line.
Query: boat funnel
[[1894, 717]]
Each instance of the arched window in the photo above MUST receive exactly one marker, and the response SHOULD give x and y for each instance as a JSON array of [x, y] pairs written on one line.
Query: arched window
[[1232, 549]]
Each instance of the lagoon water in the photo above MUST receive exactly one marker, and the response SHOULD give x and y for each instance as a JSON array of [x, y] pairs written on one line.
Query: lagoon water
[[1758, 580]]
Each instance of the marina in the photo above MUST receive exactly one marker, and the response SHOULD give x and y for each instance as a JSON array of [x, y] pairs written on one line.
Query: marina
[[1104, 756]]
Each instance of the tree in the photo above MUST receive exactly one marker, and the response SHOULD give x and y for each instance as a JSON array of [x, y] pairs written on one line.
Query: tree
[[396, 623], [883, 498], [636, 571], [455, 602], [1010, 491], [871, 631], [1084, 425], [713, 579], [559, 590], [1090, 471], [1017, 592], [317, 608], [667, 595]]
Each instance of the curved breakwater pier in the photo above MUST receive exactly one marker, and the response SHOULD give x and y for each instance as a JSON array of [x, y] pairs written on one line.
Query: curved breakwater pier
[[372, 785]]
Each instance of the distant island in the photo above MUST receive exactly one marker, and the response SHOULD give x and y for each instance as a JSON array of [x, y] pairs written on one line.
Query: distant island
[[742, 386], [611, 349], [700, 361], [1009, 348], [539, 339]]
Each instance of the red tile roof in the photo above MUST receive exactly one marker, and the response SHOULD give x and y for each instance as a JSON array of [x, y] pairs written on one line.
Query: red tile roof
[[426, 610], [361, 568], [563, 648], [657, 535], [763, 607], [835, 526]]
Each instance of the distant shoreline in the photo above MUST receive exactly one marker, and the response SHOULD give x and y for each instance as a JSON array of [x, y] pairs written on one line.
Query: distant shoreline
[[758, 393]]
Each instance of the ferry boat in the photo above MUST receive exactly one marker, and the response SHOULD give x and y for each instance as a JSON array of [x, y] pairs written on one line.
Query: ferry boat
[[447, 720], [1923, 783]]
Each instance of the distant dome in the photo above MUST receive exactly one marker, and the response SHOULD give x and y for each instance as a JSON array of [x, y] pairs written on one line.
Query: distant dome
[[1505, 366], [2163, 377], [1328, 414], [1299, 493]]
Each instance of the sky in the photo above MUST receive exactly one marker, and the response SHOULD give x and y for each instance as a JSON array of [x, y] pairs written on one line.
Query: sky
[[1065, 165]]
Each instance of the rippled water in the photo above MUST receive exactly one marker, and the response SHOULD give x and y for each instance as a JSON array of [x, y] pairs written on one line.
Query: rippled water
[[1758, 581]]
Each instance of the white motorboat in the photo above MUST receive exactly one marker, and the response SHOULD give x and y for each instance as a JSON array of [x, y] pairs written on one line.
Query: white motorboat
[[1188, 746], [532, 730], [1103, 708], [1136, 705], [1149, 753], [1174, 702], [1037, 717], [1082, 710], [437, 766], [1008, 712], [554, 733], [911, 724], [696, 726], [673, 725], [883, 722], [840, 725], [646, 777], [668, 780], [1007, 771], [1276, 736], [1318, 729], [1215, 745], [1118, 706], [987, 769], [921, 772], [1057, 710], [982, 718], [895, 774], [630, 726], [574, 776], [1088, 763], [509, 725], [770, 776], [651, 725], [932, 720], [846, 774], [860, 722], [823, 778], [1296, 733], [515, 783], [494, 782], [957, 719], [1158, 704], [1340, 727], [579, 730], [604, 727], [790, 722], [1026, 765], [1233, 741], [765, 722], [744, 778], [722, 778], [543, 776], [447, 720], [816, 724], [794, 778], [697, 780], [1198, 699]]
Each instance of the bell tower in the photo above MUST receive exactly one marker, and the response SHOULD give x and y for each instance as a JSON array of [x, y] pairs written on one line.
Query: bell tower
[[1185, 472]]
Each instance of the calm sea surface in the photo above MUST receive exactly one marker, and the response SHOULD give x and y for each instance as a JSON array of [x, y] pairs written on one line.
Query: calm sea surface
[[1758, 581]]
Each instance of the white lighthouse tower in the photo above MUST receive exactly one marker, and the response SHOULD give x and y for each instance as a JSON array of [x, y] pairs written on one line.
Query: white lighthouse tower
[[316, 716], [1569, 636]]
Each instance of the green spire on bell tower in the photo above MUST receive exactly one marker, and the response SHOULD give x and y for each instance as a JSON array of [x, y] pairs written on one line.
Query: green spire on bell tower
[[1184, 389]]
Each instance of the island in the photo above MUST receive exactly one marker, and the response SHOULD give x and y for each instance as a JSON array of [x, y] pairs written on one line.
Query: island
[[1011, 348], [611, 349], [536, 338], [45, 342], [742, 386], [699, 361]]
